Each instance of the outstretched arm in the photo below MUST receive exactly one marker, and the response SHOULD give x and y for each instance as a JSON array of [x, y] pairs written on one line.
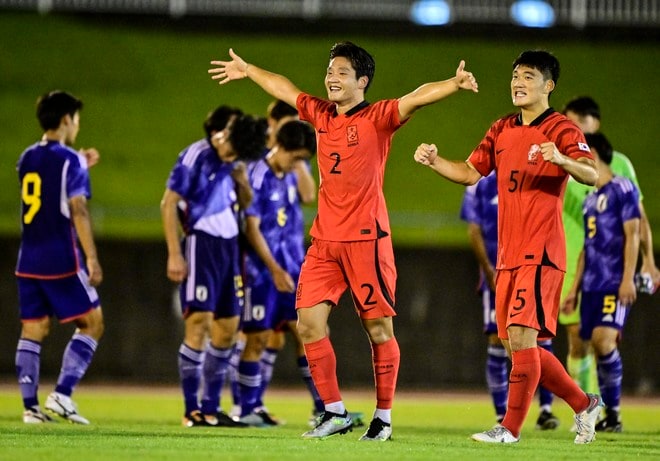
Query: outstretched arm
[[435, 91], [276, 85], [458, 172]]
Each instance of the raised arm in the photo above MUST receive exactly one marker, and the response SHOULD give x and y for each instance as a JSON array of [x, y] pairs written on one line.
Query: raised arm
[[458, 172], [435, 91], [276, 85]]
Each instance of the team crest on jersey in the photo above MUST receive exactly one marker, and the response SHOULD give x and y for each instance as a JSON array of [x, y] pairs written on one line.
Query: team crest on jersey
[[533, 154], [352, 135]]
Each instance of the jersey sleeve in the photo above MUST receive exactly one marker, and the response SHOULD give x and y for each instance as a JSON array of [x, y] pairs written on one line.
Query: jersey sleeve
[[179, 180], [571, 142], [482, 157], [629, 201], [77, 178], [622, 166], [309, 106]]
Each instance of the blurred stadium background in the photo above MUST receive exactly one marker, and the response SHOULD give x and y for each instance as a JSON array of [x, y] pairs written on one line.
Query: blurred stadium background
[[140, 67]]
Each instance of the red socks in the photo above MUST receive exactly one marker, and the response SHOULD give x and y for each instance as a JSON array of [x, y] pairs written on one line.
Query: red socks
[[556, 379], [523, 380], [323, 367], [386, 358]]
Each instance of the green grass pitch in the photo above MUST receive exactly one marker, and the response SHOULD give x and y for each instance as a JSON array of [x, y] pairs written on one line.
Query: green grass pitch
[[144, 424]]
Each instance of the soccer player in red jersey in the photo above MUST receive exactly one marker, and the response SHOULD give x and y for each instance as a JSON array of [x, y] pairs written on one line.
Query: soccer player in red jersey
[[352, 246], [533, 153]]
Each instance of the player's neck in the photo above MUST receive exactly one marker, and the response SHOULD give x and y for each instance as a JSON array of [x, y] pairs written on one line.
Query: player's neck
[[532, 112], [57, 135], [604, 176], [344, 106]]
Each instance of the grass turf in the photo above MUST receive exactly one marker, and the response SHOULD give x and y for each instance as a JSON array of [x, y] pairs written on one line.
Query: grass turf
[[144, 423]]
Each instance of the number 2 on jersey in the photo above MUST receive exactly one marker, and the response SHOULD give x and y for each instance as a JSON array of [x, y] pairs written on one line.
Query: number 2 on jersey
[[31, 195]]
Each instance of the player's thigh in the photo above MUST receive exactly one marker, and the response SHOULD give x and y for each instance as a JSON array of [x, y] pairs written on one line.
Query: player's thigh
[[321, 277], [371, 274]]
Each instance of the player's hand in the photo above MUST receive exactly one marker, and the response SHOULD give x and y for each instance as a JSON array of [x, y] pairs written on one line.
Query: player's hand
[[627, 293], [569, 304], [91, 155], [177, 268], [465, 80], [227, 71], [94, 271], [426, 154], [283, 281], [551, 153]]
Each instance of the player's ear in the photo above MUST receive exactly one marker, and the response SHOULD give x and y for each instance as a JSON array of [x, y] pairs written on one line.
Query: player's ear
[[549, 85], [363, 82]]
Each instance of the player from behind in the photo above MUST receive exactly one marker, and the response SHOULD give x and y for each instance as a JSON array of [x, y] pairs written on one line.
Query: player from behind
[[272, 269], [351, 246], [605, 274], [479, 210], [533, 153], [58, 267], [204, 191]]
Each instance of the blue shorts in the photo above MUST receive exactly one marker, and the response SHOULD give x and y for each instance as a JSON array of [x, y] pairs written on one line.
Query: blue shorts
[[265, 307], [214, 282], [601, 309], [66, 299], [488, 305]]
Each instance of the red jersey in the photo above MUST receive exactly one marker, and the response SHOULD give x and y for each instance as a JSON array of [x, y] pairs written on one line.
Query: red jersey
[[352, 149], [530, 190]]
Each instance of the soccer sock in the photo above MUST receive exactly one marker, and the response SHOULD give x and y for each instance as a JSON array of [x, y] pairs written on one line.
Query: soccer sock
[[77, 357], [545, 396], [384, 415], [610, 374], [214, 371], [28, 357], [386, 358], [249, 378], [303, 366], [267, 362], [323, 368], [190, 373], [583, 371], [523, 380], [557, 380], [496, 377], [233, 372]]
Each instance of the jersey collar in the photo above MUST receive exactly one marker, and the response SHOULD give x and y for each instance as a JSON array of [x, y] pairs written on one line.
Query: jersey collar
[[355, 110], [538, 120]]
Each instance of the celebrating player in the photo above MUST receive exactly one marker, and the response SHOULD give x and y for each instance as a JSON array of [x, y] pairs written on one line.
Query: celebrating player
[[533, 153], [352, 246]]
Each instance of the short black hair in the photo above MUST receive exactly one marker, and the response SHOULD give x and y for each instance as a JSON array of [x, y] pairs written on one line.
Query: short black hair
[[599, 142], [297, 134], [541, 60], [52, 106], [361, 60], [217, 120], [248, 137], [583, 106], [279, 109]]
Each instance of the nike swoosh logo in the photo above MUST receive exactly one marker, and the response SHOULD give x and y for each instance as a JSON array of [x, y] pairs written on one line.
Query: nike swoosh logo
[[513, 314], [499, 151], [322, 131]]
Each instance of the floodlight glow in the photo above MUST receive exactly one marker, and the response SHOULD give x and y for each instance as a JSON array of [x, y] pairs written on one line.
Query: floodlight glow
[[533, 13], [430, 12]]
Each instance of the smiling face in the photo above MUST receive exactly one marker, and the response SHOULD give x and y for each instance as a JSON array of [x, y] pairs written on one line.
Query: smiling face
[[529, 89], [341, 83]]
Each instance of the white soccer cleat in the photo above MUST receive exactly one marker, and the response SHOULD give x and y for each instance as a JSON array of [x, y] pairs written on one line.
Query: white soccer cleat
[[585, 421], [498, 434], [34, 415], [63, 406]]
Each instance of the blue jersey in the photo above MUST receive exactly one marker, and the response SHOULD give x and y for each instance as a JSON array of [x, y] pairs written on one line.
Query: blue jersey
[[480, 207], [275, 201], [208, 190], [605, 210], [295, 237], [50, 174]]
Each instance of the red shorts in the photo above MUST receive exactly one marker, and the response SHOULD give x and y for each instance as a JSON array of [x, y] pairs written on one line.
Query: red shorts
[[528, 296], [366, 267]]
